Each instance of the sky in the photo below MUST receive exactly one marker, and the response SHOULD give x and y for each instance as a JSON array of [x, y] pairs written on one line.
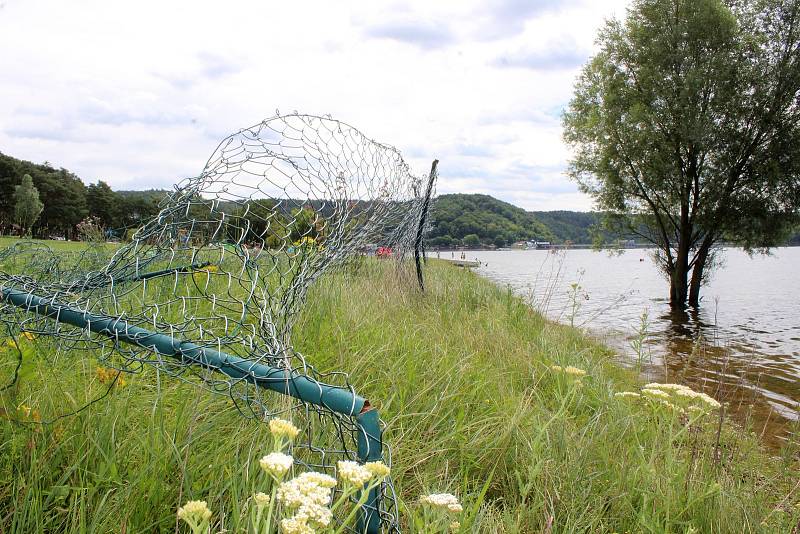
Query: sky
[[139, 94]]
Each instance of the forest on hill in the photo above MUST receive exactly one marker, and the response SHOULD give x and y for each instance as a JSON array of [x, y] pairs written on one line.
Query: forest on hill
[[472, 220]]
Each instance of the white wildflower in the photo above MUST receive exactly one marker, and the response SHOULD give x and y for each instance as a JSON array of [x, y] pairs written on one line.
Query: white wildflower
[[319, 479], [281, 428], [293, 525], [276, 464], [442, 500], [317, 515], [352, 473], [655, 393], [304, 490], [627, 394]]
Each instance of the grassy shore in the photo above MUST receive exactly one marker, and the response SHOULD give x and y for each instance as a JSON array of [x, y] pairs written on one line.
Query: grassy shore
[[462, 375]]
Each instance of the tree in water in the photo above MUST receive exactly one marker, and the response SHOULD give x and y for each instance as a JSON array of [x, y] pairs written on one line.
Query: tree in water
[[686, 129], [27, 207]]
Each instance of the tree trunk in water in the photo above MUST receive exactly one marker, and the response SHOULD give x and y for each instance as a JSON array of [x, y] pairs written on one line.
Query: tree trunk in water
[[678, 286], [697, 272]]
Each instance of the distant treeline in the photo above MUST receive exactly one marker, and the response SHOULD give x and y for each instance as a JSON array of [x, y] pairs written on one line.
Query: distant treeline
[[481, 220], [67, 201], [456, 219]]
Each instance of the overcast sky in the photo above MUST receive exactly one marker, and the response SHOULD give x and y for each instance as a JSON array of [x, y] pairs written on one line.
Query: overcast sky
[[139, 93]]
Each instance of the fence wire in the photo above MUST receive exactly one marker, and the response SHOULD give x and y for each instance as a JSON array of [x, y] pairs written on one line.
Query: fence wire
[[225, 267]]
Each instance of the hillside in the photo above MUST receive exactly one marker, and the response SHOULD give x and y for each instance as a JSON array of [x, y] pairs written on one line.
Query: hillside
[[575, 226], [472, 219]]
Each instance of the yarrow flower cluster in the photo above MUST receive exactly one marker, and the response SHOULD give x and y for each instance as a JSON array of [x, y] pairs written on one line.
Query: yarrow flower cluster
[[196, 514], [261, 499], [353, 473], [677, 397], [655, 393], [305, 489], [307, 496], [570, 370], [280, 428], [442, 500], [276, 464], [292, 525], [379, 470], [575, 374]]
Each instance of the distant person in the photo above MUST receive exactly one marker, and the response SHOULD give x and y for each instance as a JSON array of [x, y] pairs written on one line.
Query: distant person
[[452, 255], [438, 255]]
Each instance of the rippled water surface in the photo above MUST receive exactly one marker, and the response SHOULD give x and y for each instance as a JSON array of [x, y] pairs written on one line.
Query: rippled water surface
[[742, 346]]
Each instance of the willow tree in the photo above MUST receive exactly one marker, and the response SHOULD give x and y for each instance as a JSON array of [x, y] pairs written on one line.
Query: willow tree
[[685, 129]]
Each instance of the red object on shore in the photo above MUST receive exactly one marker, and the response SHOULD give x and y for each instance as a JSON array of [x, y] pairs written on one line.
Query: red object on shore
[[384, 252]]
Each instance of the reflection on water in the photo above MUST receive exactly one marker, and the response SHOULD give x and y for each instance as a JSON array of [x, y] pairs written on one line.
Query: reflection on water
[[742, 346]]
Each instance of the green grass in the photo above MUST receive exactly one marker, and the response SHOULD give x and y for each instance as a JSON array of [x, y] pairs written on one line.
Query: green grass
[[462, 377], [6, 241]]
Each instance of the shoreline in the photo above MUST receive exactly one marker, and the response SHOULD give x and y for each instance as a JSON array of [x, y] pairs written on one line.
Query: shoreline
[[747, 405]]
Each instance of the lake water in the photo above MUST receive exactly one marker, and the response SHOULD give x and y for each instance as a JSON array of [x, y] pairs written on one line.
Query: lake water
[[742, 346]]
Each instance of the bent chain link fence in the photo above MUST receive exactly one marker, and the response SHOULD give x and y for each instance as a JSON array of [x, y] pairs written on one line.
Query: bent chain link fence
[[208, 291]]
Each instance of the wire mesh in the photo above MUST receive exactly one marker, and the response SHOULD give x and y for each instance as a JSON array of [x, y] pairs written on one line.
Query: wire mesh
[[216, 281]]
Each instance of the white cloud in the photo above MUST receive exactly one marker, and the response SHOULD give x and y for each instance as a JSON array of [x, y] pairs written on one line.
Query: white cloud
[[139, 94]]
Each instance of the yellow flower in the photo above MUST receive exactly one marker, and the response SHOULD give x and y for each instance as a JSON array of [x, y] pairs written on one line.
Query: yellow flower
[[261, 499], [107, 376], [30, 336], [574, 371], [379, 470], [196, 514], [281, 428], [570, 370]]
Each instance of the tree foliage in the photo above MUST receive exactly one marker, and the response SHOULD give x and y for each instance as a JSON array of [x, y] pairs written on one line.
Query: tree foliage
[[67, 201], [27, 206], [686, 129]]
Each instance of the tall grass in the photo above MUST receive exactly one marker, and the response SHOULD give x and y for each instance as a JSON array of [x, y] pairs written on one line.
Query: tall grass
[[461, 374]]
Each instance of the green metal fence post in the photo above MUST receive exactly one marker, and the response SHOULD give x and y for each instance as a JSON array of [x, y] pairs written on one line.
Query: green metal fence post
[[370, 449]]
